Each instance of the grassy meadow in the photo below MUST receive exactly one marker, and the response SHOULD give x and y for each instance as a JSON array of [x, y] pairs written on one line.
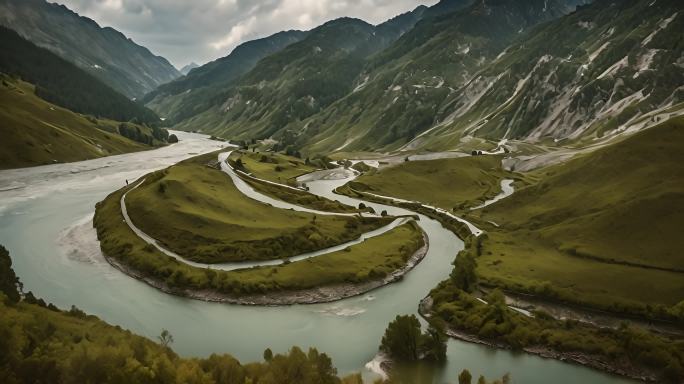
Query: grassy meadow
[[445, 183], [602, 229], [196, 211], [36, 132], [369, 260], [273, 166]]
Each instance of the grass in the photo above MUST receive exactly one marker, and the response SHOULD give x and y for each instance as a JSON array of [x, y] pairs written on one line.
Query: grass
[[374, 258], [273, 166], [35, 132], [369, 260], [603, 229], [197, 211], [301, 198], [445, 183]]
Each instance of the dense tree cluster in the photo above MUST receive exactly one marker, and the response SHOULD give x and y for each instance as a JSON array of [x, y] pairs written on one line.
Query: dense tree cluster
[[9, 283], [403, 341], [64, 84]]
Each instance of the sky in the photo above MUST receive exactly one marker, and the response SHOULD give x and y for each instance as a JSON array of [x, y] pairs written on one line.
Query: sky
[[185, 31]]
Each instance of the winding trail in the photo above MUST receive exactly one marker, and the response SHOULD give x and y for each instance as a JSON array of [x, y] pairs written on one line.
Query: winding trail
[[251, 193], [473, 229], [507, 189]]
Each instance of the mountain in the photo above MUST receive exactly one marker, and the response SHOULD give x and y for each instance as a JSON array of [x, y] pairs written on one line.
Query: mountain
[[405, 85], [303, 78], [381, 95], [610, 65], [186, 69], [189, 95], [62, 83], [36, 132], [103, 52]]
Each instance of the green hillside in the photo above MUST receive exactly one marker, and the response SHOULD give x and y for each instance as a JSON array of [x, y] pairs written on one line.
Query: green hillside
[[604, 228], [445, 183], [36, 132], [64, 84], [209, 86], [193, 93], [104, 53], [198, 212]]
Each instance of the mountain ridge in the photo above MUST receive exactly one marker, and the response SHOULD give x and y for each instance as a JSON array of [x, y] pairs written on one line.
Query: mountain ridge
[[104, 52]]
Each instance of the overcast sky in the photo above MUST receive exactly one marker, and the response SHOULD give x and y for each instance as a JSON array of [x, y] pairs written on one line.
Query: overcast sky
[[184, 31]]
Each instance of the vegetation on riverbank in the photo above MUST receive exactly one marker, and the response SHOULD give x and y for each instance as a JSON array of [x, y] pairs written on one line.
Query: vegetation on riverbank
[[197, 212], [35, 132], [603, 229], [453, 183], [627, 350], [41, 344]]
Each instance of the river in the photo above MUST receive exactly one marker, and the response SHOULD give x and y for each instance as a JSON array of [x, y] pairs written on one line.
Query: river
[[38, 206]]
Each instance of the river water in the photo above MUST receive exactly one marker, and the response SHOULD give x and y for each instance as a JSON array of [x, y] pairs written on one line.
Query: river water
[[41, 206]]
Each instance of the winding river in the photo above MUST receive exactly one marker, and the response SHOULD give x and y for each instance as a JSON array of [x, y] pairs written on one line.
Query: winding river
[[45, 222]]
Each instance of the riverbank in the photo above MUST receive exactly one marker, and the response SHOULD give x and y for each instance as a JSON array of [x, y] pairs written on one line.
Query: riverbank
[[324, 294], [626, 351], [369, 262], [622, 369]]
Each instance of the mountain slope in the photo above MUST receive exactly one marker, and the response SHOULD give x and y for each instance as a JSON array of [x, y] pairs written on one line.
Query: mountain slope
[[611, 63], [103, 52], [63, 83], [413, 77], [189, 95], [303, 78], [35, 132], [621, 245]]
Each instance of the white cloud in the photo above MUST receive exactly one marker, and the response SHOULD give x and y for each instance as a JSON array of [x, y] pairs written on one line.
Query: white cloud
[[203, 30]]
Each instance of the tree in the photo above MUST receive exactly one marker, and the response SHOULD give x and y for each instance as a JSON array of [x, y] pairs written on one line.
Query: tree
[[402, 338], [8, 280], [463, 274], [165, 338], [268, 354], [434, 345], [383, 213], [362, 206], [465, 377]]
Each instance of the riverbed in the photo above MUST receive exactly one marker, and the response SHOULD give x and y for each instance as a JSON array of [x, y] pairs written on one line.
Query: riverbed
[[39, 205]]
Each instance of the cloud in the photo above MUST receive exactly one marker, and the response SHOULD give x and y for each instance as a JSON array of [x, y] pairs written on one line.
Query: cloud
[[203, 30]]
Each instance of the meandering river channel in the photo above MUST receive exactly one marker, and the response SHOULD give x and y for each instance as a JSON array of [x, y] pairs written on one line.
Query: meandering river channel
[[45, 215]]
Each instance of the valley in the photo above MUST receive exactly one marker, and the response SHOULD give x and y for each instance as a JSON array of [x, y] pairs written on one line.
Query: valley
[[455, 191]]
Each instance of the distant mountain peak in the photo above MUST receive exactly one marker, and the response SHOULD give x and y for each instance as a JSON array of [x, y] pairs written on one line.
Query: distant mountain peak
[[186, 69]]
